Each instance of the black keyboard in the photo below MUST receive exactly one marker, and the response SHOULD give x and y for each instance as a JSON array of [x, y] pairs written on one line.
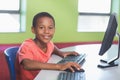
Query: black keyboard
[[73, 58], [71, 76]]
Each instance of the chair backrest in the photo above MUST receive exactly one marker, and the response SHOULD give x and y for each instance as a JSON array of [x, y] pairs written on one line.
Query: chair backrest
[[10, 54]]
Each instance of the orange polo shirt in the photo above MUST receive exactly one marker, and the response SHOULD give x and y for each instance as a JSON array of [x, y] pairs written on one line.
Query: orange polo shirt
[[29, 50]]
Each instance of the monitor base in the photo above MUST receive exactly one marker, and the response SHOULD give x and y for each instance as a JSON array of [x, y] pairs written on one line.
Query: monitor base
[[107, 65]]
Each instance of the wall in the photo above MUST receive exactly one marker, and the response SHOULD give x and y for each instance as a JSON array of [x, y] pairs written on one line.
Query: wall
[[116, 9], [65, 14]]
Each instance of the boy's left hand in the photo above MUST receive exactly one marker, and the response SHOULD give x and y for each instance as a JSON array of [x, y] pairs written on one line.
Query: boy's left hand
[[65, 54]]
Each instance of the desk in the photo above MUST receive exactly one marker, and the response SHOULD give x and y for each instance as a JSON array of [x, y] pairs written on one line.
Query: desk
[[92, 72]]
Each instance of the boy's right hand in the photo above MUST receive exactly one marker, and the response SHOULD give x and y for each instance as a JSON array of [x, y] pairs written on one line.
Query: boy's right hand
[[71, 66]]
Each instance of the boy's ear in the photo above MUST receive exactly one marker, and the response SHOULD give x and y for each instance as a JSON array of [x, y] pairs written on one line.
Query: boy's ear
[[33, 29]]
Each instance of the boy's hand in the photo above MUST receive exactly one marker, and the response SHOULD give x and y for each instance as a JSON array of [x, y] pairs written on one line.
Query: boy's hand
[[70, 66], [65, 54]]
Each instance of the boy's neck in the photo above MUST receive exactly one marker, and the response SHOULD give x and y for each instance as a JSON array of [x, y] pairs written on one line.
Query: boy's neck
[[42, 46]]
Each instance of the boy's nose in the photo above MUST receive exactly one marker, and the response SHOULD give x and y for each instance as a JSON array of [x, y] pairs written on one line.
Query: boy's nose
[[46, 31]]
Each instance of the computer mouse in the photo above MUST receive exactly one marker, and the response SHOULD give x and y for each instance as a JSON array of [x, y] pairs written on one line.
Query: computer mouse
[[81, 70]]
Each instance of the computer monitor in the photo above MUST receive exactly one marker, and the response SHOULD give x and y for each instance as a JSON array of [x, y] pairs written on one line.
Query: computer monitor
[[107, 41]]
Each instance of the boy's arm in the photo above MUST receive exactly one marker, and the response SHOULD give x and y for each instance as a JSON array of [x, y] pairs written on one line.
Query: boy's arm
[[58, 52], [63, 54], [35, 65]]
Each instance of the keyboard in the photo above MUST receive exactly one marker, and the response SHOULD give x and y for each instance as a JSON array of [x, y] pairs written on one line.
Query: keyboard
[[71, 76], [78, 59]]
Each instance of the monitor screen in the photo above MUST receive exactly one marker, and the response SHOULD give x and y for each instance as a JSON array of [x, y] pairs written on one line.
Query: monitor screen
[[109, 34]]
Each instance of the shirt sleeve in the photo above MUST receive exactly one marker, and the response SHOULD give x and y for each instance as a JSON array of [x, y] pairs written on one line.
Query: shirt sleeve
[[24, 53]]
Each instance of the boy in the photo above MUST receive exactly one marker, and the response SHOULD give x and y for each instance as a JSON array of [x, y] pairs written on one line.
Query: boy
[[33, 54]]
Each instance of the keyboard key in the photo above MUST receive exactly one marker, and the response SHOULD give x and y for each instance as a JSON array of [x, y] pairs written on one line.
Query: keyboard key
[[71, 76], [72, 58]]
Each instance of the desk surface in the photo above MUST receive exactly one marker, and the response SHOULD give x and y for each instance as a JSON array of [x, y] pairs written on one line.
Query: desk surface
[[92, 72]]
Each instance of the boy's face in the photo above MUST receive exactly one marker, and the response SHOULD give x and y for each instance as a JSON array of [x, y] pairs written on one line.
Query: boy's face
[[44, 29]]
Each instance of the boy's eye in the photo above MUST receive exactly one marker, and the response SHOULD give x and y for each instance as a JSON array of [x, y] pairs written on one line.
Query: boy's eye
[[41, 27], [51, 27]]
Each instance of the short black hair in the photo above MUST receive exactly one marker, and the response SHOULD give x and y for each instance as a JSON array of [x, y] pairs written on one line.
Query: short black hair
[[40, 15]]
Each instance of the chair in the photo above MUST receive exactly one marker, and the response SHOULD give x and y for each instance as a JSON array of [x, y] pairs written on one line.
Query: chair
[[10, 54]]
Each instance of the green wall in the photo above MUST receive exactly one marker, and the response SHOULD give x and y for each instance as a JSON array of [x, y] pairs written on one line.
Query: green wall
[[66, 16]]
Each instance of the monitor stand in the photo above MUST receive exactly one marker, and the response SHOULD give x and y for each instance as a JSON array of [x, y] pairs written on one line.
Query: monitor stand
[[111, 63], [106, 65]]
